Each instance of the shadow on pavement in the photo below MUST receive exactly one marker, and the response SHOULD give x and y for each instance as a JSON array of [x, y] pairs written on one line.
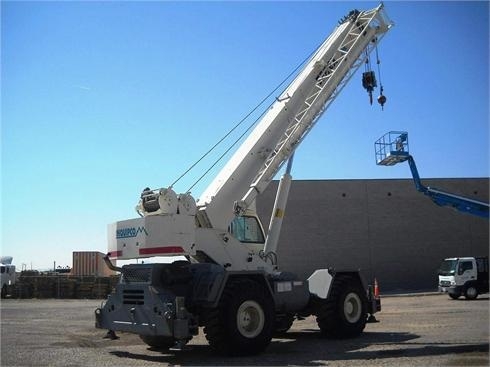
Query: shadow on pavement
[[308, 348]]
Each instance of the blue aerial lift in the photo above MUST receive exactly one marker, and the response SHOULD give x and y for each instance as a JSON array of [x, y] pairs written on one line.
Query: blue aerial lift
[[392, 148]]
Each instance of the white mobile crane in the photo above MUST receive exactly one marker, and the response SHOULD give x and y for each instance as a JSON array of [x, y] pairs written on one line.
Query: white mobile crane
[[231, 283]]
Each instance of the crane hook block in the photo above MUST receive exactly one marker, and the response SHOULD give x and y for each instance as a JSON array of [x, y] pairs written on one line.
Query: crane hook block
[[369, 80], [382, 100], [369, 83]]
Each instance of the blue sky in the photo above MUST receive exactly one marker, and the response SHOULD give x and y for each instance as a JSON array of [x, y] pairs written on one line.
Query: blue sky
[[101, 99]]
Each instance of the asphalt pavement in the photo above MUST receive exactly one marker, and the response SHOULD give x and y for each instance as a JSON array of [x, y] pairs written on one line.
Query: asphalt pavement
[[424, 329]]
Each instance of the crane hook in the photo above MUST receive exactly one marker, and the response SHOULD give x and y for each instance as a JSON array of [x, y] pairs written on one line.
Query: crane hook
[[381, 98]]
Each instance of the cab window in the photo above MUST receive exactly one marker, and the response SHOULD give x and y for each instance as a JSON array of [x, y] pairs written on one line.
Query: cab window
[[465, 265], [247, 229]]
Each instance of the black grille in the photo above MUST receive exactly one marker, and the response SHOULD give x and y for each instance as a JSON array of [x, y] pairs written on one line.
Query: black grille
[[136, 275], [133, 297], [445, 283]]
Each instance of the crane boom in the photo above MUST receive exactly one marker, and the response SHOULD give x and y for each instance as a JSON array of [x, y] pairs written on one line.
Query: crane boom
[[172, 224], [292, 116]]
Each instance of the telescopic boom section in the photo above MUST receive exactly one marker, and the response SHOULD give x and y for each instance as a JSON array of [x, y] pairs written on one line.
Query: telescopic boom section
[[292, 116], [392, 148]]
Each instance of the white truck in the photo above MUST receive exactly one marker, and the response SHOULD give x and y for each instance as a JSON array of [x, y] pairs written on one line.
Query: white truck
[[231, 282], [464, 276], [7, 272]]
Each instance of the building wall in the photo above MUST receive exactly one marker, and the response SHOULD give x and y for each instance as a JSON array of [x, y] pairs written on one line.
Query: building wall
[[384, 227]]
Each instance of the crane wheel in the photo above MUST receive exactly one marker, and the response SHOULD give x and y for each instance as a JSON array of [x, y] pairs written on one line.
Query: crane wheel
[[243, 322], [344, 313], [157, 341]]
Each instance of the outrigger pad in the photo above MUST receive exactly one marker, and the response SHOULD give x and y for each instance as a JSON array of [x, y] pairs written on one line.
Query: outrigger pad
[[111, 334]]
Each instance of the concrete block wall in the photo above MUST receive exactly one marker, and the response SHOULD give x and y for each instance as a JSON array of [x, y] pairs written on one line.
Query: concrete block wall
[[384, 227]]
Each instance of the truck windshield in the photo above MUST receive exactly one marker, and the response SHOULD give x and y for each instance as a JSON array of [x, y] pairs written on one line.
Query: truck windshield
[[448, 267], [247, 229]]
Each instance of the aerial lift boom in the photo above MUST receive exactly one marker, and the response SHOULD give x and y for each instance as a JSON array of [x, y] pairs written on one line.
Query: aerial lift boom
[[392, 148]]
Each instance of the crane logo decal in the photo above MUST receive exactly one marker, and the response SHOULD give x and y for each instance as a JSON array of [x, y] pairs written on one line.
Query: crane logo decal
[[130, 232]]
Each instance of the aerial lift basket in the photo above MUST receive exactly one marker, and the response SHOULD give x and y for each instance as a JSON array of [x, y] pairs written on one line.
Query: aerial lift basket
[[392, 148]]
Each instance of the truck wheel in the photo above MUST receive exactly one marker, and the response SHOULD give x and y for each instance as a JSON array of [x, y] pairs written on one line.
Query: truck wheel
[[4, 291], [344, 313], [453, 296], [471, 292], [157, 341], [242, 324]]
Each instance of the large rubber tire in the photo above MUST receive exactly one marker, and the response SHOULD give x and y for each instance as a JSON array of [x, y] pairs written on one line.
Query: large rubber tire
[[4, 291], [344, 313], [243, 322], [471, 292], [453, 296], [158, 342]]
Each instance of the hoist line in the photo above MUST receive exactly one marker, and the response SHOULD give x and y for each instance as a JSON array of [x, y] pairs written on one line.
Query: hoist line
[[227, 150], [379, 69], [238, 124], [367, 63]]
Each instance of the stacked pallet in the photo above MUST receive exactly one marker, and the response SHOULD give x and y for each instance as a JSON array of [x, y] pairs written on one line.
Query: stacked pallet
[[65, 287], [85, 287], [22, 290], [102, 288], [44, 287], [47, 286]]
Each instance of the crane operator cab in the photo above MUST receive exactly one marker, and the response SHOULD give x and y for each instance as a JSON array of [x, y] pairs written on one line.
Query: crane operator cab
[[248, 230]]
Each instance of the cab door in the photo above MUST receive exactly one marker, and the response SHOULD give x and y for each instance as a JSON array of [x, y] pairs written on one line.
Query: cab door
[[466, 272]]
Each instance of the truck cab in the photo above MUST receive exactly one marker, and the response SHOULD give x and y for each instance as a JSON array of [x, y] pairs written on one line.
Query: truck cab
[[464, 276], [7, 274]]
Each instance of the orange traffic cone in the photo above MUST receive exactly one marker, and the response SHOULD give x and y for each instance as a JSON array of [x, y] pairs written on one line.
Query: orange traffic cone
[[376, 301], [376, 289]]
